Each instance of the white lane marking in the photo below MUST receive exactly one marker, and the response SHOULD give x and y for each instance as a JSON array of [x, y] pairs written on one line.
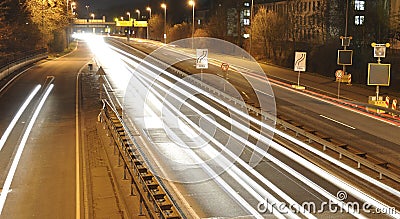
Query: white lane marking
[[18, 154], [77, 156], [17, 116], [341, 123]]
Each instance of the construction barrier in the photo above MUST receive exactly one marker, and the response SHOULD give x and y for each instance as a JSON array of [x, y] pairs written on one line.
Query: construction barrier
[[394, 106], [387, 102]]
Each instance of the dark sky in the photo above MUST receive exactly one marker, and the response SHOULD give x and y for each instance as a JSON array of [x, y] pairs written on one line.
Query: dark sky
[[177, 10]]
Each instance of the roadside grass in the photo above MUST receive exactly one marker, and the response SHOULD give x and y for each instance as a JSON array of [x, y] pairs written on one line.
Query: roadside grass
[[67, 50]]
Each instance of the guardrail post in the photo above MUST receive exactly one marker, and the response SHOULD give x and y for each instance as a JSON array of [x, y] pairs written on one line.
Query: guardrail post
[[358, 165], [141, 206], [380, 175], [132, 187], [340, 155]]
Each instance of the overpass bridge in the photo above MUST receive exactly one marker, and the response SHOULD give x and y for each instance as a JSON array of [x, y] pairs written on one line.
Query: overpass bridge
[[93, 26]]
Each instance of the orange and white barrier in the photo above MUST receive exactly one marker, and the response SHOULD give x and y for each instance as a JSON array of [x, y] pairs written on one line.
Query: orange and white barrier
[[394, 104], [387, 101]]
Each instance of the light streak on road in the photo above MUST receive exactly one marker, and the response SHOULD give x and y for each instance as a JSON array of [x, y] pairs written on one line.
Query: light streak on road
[[18, 154], [17, 116], [260, 151], [341, 184], [245, 181], [278, 147]]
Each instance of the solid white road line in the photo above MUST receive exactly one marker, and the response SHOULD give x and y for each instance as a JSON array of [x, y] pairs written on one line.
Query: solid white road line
[[17, 116], [14, 165], [77, 155], [341, 123]]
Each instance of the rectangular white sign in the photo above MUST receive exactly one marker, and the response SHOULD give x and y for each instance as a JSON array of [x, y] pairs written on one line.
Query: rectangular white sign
[[300, 61], [201, 58]]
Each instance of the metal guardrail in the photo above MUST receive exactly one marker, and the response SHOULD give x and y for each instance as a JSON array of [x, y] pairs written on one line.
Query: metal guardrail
[[10, 63], [8, 60], [156, 201], [382, 169]]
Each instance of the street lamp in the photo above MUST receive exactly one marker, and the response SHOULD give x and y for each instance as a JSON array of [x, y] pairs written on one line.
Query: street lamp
[[138, 14], [163, 5], [129, 15], [192, 3], [73, 7], [92, 15], [122, 18], [149, 10], [87, 10], [147, 29], [251, 26]]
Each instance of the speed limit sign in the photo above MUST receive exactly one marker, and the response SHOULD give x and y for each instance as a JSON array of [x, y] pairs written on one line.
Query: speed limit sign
[[339, 74]]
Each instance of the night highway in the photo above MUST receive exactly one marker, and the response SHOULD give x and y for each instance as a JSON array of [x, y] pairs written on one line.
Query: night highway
[[288, 102], [43, 178], [253, 177], [199, 109]]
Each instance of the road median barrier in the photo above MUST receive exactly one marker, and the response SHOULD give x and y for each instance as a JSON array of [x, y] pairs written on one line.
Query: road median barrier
[[153, 197]]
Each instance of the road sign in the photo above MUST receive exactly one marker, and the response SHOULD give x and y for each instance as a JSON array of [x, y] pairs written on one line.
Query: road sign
[[380, 51], [345, 57], [139, 23], [201, 58], [300, 61], [124, 23], [339, 74], [378, 74], [224, 66]]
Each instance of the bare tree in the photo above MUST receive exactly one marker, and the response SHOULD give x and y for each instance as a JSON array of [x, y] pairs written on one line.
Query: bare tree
[[179, 31], [217, 25], [4, 26], [156, 27], [268, 29], [201, 32], [17, 33], [51, 18]]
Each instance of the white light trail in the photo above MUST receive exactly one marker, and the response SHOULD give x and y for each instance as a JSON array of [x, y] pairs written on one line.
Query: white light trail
[[341, 184], [353, 190], [17, 116], [245, 181], [14, 165], [276, 131]]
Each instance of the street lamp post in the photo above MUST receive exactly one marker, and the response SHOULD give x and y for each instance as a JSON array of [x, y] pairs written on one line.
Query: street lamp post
[[87, 10], [251, 26], [94, 29], [192, 3], [73, 7], [163, 5], [149, 10], [129, 15], [147, 29], [138, 12]]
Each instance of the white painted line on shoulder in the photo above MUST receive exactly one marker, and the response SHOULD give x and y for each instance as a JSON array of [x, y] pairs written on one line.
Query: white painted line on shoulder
[[341, 123]]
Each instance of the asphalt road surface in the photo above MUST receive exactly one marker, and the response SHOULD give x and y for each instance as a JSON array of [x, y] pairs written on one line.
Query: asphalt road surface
[[44, 184]]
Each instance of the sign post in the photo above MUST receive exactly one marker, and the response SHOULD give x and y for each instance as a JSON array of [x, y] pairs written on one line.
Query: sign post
[[299, 66], [339, 74]]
